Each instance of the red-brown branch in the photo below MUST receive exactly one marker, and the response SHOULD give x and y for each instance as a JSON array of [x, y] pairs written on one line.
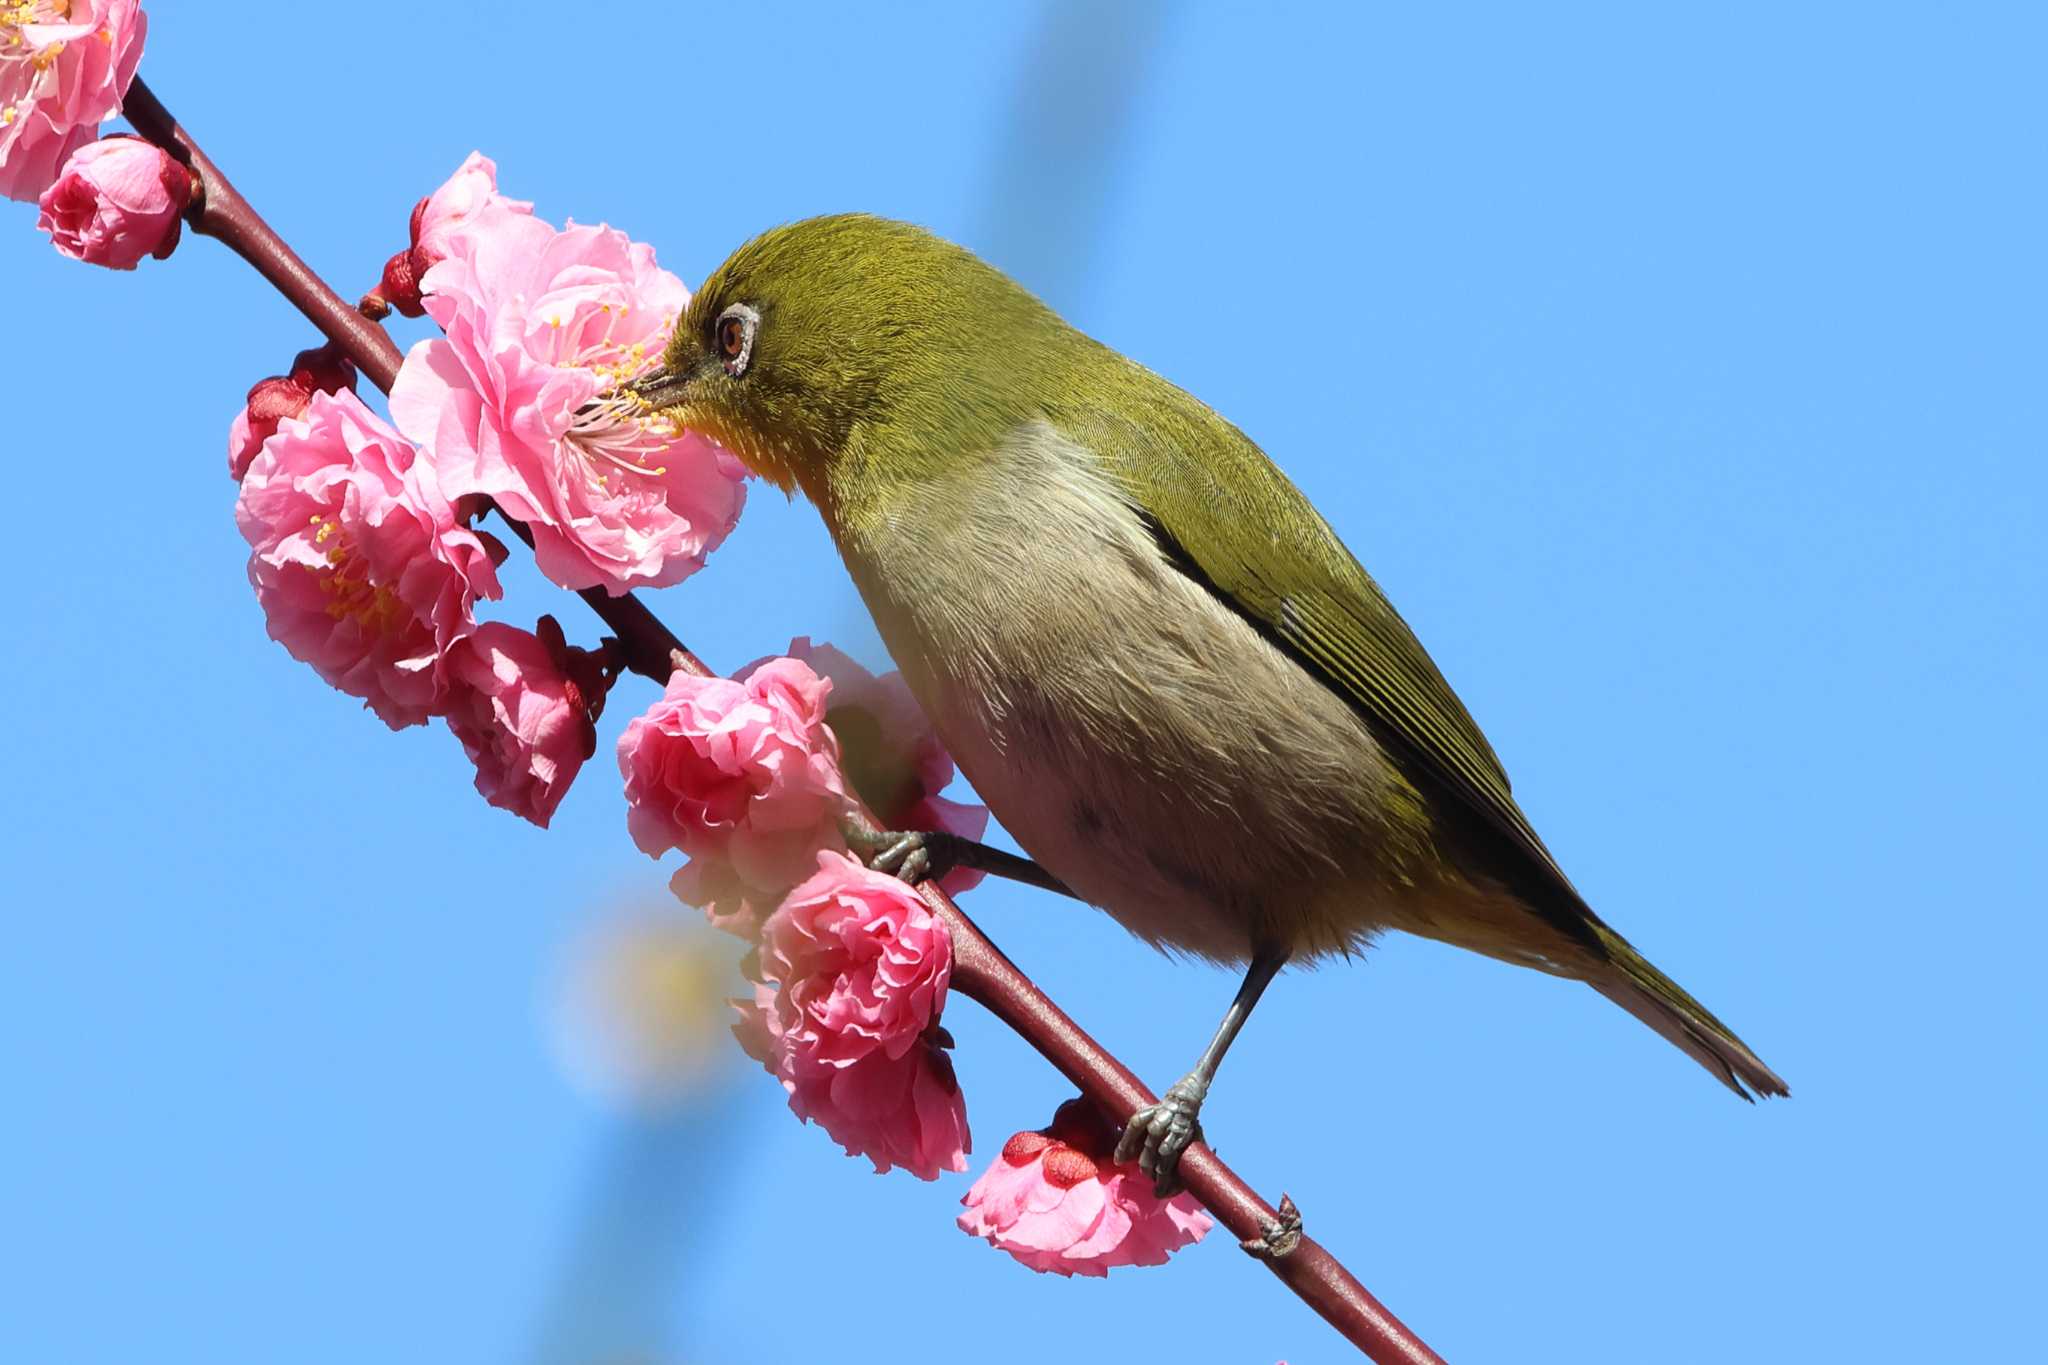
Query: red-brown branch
[[980, 970]]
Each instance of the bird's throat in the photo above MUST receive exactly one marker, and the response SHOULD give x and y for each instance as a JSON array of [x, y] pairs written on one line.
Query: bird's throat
[[761, 459]]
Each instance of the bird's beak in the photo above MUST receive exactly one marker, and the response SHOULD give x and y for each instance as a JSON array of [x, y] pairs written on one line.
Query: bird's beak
[[659, 390]]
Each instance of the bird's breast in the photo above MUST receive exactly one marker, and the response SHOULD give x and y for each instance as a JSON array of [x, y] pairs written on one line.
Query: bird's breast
[[1136, 736]]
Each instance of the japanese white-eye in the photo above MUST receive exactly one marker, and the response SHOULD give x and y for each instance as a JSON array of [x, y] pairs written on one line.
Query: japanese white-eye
[[1153, 659]]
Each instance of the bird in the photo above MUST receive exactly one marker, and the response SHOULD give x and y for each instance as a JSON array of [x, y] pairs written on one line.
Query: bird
[[1150, 655]]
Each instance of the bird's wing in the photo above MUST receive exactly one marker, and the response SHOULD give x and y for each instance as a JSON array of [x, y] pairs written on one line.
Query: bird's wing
[[1233, 521]]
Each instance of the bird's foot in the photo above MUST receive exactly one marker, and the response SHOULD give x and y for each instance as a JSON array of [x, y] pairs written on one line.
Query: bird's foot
[[912, 855], [1159, 1133], [1277, 1237], [927, 854]]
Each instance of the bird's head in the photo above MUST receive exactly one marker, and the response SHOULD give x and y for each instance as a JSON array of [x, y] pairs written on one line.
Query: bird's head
[[821, 334]]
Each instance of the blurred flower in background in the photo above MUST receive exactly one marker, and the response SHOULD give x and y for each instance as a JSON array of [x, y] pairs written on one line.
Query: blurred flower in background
[[638, 1015]]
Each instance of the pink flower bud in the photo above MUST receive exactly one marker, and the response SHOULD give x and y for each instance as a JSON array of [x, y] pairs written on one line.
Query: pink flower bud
[[1057, 1202], [117, 201], [322, 369], [400, 287], [439, 222]]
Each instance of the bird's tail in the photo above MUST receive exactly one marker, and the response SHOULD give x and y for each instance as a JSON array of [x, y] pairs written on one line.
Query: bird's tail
[[1628, 979]]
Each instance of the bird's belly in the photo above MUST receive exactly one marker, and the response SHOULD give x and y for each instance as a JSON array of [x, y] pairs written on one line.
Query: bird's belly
[[1138, 738], [1117, 842]]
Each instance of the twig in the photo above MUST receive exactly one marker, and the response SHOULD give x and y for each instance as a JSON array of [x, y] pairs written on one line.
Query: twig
[[980, 970]]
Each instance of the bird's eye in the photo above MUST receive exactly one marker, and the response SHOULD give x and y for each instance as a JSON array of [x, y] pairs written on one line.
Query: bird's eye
[[733, 335]]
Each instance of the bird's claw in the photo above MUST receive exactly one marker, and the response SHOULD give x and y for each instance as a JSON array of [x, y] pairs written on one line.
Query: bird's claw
[[913, 856], [1277, 1237], [1158, 1134]]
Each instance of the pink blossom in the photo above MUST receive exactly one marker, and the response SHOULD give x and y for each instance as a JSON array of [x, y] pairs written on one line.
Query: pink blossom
[[750, 813], [891, 755], [520, 401], [525, 707], [64, 68], [359, 561], [437, 221], [323, 369], [741, 776], [1056, 1201], [854, 968], [118, 200]]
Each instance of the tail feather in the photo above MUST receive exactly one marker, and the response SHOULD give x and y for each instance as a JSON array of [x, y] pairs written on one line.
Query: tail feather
[[1631, 982]]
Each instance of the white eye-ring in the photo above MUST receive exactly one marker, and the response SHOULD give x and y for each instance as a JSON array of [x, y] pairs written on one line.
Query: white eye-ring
[[733, 337]]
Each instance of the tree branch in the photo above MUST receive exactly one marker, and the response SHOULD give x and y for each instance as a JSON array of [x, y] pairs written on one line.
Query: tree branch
[[980, 970]]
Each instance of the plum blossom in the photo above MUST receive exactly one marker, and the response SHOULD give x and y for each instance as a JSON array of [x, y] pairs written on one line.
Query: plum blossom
[[521, 401], [853, 975], [892, 757], [437, 220], [117, 201], [1056, 1202], [65, 66], [358, 559], [525, 706], [322, 369], [742, 776], [750, 778]]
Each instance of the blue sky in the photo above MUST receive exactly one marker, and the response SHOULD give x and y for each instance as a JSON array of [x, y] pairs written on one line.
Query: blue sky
[[1680, 377]]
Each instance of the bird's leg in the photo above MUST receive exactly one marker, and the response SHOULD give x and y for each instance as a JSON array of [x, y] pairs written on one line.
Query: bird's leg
[[917, 855], [1159, 1133]]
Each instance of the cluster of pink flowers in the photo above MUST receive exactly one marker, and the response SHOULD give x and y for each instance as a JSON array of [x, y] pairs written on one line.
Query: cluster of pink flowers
[[363, 556], [751, 777], [854, 968], [1056, 1201]]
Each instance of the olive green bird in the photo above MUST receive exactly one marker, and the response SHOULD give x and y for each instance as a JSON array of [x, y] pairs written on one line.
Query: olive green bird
[[1156, 663]]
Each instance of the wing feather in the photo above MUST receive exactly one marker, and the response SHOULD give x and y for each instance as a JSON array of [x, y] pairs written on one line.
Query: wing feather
[[1230, 518]]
